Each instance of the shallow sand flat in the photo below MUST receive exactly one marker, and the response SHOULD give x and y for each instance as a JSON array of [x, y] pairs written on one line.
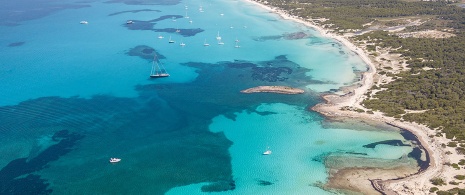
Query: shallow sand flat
[[274, 89]]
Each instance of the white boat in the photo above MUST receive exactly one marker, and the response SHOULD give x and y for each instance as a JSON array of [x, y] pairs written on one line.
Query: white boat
[[190, 21], [205, 43], [218, 37], [186, 15], [160, 37], [267, 152], [170, 41], [158, 70], [200, 9], [220, 43], [182, 44], [237, 40], [237, 45], [115, 160], [129, 22], [83, 22]]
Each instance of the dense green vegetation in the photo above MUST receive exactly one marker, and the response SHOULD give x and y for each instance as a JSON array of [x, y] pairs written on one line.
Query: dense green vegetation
[[352, 14], [439, 91], [435, 80]]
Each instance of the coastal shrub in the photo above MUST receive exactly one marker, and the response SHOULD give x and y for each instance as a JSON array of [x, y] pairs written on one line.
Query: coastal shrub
[[459, 177], [359, 110], [433, 189], [461, 162], [453, 183], [437, 181], [455, 166], [370, 112], [448, 152], [443, 193], [452, 144], [443, 145], [460, 150]]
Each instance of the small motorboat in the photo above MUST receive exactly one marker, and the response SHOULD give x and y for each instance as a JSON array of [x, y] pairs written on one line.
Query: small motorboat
[[129, 22], [115, 160], [267, 152], [83, 22]]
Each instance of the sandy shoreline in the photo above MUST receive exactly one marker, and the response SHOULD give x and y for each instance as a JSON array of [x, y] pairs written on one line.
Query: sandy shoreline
[[274, 89], [417, 183]]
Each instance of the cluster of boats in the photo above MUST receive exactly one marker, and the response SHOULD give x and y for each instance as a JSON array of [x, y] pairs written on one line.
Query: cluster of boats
[[205, 43]]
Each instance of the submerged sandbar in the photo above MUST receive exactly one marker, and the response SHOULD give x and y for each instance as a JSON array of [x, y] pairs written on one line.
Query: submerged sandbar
[[274, 89]]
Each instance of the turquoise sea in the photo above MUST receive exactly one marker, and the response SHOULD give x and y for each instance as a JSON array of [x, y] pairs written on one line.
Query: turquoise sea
[[74, 95]]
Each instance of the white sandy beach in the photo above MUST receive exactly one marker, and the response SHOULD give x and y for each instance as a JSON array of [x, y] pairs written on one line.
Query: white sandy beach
[[415, 184]]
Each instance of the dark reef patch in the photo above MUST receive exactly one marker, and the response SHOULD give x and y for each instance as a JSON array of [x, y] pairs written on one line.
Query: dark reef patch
[[15, 12], [416, 153], [134, 11], [169, 121], [357, 153], [144, 52], [149, 25], [393, 142], [264, 183], [184, 32], [11, 181], [16, 44], [270, 74]]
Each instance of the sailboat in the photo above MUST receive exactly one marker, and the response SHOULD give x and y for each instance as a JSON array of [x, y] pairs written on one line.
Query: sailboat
[[267, 152], [205, 43], [218, 37], [170, 41], [220, 42], [186, 15], [158, 70], [182, 44], [237, 45]]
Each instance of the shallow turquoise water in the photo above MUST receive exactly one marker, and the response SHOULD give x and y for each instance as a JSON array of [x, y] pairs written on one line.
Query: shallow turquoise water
[[75, 95]]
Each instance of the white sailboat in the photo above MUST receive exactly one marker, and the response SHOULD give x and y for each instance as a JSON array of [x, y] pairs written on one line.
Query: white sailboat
[[218, 37], [182, 44], [220, 42], [267, 152], [170, 41], [158, 70], [205, 43], [237, 45], [186, 15]]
